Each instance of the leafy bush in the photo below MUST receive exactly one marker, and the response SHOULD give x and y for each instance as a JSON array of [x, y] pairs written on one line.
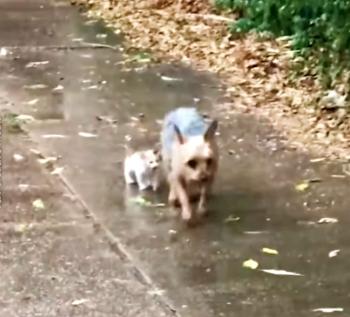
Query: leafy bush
[[319, 28]]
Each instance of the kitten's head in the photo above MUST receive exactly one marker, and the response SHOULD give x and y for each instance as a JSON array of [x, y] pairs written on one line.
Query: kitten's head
[[153, 158]]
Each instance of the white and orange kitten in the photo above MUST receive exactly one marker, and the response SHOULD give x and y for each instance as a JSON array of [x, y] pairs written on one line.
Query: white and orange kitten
[[143, 168]]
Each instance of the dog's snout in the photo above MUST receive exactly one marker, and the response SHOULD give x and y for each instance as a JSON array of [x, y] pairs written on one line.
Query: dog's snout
[[204, 178]]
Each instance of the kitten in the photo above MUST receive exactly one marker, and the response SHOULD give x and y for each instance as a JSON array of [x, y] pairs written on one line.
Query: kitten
[[143, 168]]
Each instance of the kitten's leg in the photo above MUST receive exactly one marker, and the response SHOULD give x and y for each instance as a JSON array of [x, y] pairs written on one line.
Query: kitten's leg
[[128, 176], [142, 183]]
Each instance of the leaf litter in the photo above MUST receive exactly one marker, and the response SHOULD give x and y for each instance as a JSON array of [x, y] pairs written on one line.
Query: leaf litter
[[87, 135], [328, 309], [269, 251], [18, 157], [36, 64], [141, 201], [281, 272], [333, 253], [189, 31], [38, 204], [327, 220], [251, 264]]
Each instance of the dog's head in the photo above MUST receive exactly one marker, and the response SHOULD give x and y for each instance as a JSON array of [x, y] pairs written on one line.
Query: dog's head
[[196, 158]]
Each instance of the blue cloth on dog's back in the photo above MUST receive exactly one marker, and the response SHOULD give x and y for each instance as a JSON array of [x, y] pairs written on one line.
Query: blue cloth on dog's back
[[189, 122]]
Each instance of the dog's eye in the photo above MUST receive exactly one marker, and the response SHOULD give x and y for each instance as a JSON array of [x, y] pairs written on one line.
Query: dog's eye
[[192, 164], [209, 161]]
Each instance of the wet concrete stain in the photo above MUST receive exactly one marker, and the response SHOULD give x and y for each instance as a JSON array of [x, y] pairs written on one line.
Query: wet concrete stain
[[200, 269]]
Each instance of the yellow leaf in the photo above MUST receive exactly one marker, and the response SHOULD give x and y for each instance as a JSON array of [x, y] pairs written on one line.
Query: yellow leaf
[[251, 264], [302, 187], [269, 251], [38, 204]]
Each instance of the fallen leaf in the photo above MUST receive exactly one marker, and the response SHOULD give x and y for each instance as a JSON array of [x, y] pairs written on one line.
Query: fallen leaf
[[333, 253], [23, 187], [53, 136], [251, 264], [159, 205], [35, 86], [302, 186], [58, 88], [166, 78], [231, 219], [328, 220], [35, 151], [36, 64], [140, 201], [328, 309], [316, 160], [157, 292], [101, 36], [92, 87], [33, 102], [79, 302], [47, 160], [57, 171], [20, 227], [38, 204], [3, 52], [25, 117], [18, 157], [87, 135], [269, 251], [281, 272], [107, 119]]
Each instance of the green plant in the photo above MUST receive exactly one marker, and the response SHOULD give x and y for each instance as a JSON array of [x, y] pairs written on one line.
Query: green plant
[[320, 29], [11, 123]]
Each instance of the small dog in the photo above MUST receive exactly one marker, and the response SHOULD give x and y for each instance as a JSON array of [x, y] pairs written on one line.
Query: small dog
[[143, 168], [190, 156]]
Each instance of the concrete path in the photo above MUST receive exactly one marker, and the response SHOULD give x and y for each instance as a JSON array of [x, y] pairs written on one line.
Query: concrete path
[[195, 272]]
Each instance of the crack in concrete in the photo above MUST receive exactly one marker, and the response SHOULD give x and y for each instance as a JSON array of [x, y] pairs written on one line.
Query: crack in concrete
[[84, 46], [118, 248]]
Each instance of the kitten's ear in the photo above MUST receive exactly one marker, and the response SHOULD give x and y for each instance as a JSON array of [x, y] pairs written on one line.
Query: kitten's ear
[[178, 136], [156, 149], [210, 133], [128, 150]]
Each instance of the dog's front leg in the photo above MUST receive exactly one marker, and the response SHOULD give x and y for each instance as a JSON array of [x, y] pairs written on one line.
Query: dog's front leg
[[181, 194], [202, 204]]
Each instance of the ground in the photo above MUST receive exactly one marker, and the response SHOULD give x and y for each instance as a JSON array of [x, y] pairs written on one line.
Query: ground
[[92, 250]]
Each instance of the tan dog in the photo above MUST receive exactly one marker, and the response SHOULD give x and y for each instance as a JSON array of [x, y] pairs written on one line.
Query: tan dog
[[190, 155]]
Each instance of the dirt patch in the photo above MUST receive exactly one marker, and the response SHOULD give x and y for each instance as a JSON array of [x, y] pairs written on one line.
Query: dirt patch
[[254, 70]]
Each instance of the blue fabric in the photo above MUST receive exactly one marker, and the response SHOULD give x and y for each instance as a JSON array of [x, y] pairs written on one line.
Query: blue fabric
[[188, 120]]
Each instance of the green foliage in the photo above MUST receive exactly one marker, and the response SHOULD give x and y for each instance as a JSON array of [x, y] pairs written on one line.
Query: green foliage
[[318, 28], [11, 123]]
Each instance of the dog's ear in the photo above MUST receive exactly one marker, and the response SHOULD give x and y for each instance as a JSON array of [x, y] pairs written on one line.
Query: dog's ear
[[210, 133], [179, 137]]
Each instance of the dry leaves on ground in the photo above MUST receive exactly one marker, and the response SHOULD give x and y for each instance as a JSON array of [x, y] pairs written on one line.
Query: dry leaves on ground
[[255, 72]]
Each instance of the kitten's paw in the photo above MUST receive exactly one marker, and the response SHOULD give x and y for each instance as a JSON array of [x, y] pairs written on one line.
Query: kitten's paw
[[143, 187]]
